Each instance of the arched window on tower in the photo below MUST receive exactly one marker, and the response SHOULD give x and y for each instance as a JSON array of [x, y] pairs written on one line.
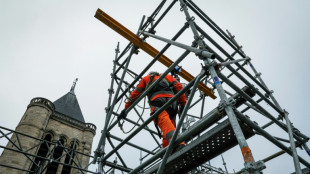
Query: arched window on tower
[[69, 158], [42, 152], [52, 168]]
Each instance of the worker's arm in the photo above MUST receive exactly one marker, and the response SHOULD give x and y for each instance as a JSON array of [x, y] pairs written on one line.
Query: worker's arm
[[177, 87], [136, 92]]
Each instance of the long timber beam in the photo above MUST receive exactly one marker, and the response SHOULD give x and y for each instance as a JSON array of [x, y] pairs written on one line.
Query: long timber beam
[[123, 31]]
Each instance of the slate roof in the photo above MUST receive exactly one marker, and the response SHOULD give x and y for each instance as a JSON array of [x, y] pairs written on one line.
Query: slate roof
[[69, 106]]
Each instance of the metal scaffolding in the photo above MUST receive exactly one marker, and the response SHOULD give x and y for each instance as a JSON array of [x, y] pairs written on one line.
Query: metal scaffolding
[[225, 68], [224, 98]]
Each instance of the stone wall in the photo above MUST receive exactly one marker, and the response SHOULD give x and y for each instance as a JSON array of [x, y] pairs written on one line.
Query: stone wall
[[69, 132], [33, 123], [40, 119]]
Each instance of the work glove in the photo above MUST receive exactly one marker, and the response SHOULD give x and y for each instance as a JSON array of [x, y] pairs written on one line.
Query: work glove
[[122, 115]]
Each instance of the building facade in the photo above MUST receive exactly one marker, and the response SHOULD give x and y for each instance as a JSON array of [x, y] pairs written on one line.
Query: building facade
[[51, 138]]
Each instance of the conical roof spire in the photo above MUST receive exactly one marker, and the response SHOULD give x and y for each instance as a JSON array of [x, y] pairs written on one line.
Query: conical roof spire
[[73, 86], [69, 106]]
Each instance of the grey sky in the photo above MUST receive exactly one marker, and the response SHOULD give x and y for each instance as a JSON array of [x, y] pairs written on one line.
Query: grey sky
[[45, 45]]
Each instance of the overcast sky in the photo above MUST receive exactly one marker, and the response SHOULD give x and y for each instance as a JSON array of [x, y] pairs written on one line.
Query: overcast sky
[[45, 45]]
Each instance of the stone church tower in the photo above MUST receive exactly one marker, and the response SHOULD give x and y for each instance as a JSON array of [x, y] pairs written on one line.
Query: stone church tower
[[53, 137]]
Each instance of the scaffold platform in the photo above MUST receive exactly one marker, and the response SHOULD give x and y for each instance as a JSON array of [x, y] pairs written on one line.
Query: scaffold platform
[[211, 144]]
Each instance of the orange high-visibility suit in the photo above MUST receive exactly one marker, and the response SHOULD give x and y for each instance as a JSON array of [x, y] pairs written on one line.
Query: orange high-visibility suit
[[162, 94]]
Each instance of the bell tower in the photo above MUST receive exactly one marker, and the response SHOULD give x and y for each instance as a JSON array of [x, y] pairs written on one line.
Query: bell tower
[[52, 136]]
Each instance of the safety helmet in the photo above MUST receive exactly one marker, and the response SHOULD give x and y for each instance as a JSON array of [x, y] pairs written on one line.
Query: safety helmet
[[154, 73]]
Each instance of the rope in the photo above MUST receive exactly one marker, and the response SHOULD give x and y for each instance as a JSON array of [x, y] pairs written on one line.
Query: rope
[[121, 124], [116, 112]]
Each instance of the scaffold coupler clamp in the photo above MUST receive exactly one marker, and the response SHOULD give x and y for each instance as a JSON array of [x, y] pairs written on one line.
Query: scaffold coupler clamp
[[214, 64], [111, 91], [98, 156], [151, 21], [253, 168], [107, 109], [269, 93], [206, 69], [112, 74], [249, 59], [183, 5], [282, 115], [116, 51], [203, 54], [258, 75], [136, 49], [208, 65], [224, 103], [151, 30], [217, 67], [99, 152], [194, 44], [199, 38]]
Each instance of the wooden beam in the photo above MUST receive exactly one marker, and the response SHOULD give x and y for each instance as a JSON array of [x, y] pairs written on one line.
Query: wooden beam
[[120, 29]]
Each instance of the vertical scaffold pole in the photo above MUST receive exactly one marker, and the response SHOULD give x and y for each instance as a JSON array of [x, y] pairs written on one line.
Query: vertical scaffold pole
[[245, 149], [203, 99], [111, 91], [101, 145], [288, 123], [293, 146]]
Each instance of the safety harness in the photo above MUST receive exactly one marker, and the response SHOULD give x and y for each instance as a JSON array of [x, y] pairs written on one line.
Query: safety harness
[[163, 87]]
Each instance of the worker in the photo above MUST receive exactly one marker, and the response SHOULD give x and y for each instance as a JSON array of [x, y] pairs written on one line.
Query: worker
[[158, 96]]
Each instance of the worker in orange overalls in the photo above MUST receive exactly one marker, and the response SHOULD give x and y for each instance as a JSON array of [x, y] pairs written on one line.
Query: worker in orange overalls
[[158, 96]]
